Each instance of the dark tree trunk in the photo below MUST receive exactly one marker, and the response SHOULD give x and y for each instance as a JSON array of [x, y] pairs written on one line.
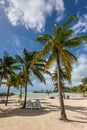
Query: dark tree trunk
[[25, 98], [7, 95], [62, 108]]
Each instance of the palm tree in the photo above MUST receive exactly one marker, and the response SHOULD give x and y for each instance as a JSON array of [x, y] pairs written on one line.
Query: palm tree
[[64, 77], [10, 82], [84, 81], [7, 67], [37, 69], [57, 45]]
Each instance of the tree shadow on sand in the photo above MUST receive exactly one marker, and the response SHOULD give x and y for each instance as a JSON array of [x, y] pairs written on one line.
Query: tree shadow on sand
[[19, 111], [47, 107], [81, 110]]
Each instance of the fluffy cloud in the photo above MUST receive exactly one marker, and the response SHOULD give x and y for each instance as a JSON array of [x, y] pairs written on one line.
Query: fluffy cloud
[[79, 70], [81, 25], [32, 13], [37, 85], [2, 2]]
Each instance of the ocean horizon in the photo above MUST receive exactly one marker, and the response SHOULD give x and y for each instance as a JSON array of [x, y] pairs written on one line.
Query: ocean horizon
[[32, 94]]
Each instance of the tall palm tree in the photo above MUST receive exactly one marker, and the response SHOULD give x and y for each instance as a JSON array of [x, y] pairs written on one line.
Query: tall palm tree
[[57, 46], [37, 69]]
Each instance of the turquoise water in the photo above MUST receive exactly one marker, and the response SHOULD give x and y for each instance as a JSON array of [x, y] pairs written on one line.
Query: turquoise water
[[40, 95], [44, 95]]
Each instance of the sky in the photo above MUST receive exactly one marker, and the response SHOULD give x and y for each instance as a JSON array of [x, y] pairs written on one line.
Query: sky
[[21, 21]]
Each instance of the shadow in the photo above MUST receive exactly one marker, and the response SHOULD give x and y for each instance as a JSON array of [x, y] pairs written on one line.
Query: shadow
[[47, 107], [79, 109], [22, 112], [78, 121], [19, 111]]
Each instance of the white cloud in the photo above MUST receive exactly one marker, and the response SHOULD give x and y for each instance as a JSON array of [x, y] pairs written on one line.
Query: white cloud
[[79, 70], [37, 85], [32, 13], [2, 2], [81, 25]]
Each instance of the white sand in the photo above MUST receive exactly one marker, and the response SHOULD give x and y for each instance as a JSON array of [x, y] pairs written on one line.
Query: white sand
[[12, 117]]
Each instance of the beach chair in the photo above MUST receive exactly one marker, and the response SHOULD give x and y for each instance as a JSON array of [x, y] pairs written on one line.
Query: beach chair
[[2, 99], [37, 104], [29, 104]]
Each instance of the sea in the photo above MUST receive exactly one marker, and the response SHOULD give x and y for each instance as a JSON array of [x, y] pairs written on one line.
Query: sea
[[31, 94], [55, 95]]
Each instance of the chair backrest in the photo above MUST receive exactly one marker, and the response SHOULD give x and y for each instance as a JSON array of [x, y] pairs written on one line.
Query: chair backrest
[[29, 104], [37, 104]]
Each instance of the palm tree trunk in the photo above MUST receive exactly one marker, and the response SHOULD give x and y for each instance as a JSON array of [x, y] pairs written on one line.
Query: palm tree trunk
[[62, 108], [7, 95], [25, 98]]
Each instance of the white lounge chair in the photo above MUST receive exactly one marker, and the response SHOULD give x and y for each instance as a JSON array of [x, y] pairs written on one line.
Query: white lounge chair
[[29, 104], [37, 104]]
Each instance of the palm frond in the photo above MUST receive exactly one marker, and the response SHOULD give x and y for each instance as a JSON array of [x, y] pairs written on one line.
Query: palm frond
[[43, 39], [66, 34], [72, 43], [66, 63], [50, 61], [39, 75], [80, 38], [70, 57], [30, 82], [48, 46], [68, 21], [75, 42], [19, 59]]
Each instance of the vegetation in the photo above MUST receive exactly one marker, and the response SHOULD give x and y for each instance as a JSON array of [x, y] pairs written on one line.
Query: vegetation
[[57, 45], [82, 88]]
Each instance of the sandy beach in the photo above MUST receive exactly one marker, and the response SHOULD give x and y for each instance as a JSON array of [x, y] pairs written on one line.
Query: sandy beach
[[15, 118]]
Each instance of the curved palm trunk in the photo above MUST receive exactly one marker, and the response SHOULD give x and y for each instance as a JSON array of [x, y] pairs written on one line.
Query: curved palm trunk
[[62, 108], [25, 98], [7, 95]]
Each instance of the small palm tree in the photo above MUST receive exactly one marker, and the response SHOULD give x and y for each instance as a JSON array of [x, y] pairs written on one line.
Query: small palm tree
[[8, 65], [57, 45], [10, 82], [64, 78]]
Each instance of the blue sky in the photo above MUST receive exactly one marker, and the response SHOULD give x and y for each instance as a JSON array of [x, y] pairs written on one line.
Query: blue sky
[[21, 21]]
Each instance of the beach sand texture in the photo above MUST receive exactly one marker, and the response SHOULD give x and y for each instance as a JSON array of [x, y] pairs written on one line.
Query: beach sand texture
[[13, 117]]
